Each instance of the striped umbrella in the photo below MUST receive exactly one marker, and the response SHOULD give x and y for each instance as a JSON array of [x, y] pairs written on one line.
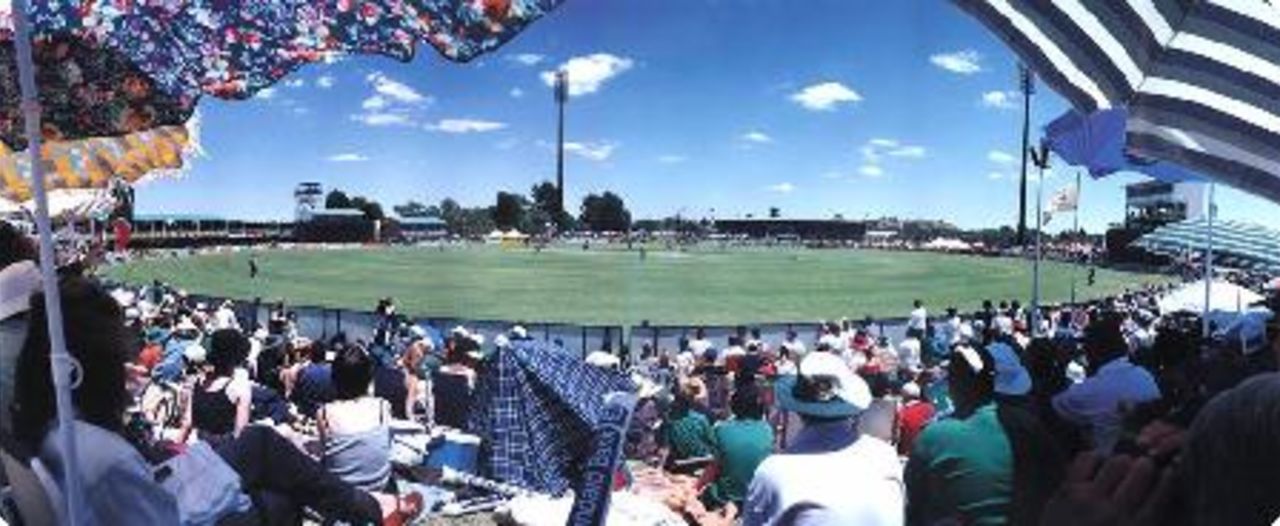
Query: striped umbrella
[[1201, 79], [1235, 244]]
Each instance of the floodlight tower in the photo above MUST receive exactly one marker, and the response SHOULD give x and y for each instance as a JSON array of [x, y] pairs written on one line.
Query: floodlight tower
[[562, 96]]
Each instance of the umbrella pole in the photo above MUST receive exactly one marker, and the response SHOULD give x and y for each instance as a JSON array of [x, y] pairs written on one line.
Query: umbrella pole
[[61, 363], [1208, 266]]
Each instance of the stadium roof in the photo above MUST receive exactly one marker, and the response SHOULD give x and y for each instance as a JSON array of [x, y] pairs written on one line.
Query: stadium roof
[[177, 217]]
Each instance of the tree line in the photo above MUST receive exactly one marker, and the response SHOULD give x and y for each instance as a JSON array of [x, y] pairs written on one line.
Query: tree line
[[538, 213]]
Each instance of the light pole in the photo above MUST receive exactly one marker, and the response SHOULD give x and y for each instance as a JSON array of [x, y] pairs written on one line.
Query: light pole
[[562, 96], [1026, 81]]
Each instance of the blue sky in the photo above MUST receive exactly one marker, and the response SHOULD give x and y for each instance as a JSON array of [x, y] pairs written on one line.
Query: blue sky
[[859, 107]]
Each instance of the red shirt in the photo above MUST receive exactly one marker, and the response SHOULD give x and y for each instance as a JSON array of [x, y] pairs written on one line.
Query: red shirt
[[912, 419]]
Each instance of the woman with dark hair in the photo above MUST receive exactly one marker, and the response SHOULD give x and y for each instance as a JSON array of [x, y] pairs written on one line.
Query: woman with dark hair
[[353, 428], [396, 380], [118, 485], [989, 463], [451, 386], [220, 402]]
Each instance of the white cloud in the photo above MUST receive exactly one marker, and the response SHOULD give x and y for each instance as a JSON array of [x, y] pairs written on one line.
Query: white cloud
[[325, 81], [598, 151], [995, 176], [966, 62], [871, 170], [395, 90], [382, 119], [877, 148], [781, 188], [910, 152], [527, 59], [588, 73], [374, 102], [1001, 100], [671, 159], [516, 93], [825, 96], [347, 158], [265, 94], [1000, 157], [466, 126], [295, 83], [757, 137]]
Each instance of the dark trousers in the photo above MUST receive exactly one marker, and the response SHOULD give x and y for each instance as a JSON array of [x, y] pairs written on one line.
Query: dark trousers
[[280, 479]]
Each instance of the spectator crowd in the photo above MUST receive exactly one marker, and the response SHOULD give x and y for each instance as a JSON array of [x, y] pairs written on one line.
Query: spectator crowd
[[1107, 412]]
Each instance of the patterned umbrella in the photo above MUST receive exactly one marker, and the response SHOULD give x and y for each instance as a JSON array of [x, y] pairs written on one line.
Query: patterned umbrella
[[536, 409], [93, 163], [113, 67], [78, 69]]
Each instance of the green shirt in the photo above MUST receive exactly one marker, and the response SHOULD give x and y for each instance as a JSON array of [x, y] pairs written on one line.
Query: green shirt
[[961, 468], [690, 436], [741, 445]]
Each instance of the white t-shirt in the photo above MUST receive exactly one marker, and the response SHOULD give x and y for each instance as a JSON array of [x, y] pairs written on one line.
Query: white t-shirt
[[699, 346], [919, 319], [860, 484], [225, 319]]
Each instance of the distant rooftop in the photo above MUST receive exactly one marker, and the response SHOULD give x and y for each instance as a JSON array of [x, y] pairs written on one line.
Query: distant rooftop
[[177, 217], [421, 221]]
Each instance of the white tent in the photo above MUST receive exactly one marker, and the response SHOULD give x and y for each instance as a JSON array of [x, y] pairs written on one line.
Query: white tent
[[947, 244], [1224, 296]]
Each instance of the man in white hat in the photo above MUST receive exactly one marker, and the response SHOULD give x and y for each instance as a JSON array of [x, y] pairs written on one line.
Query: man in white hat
[[829, 474]]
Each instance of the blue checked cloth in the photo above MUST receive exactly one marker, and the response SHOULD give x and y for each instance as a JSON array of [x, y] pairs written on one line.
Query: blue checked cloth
[[535, 409]]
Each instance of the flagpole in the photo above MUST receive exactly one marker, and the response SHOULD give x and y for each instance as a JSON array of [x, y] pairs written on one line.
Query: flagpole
[[1075, 233], [1208, 265]]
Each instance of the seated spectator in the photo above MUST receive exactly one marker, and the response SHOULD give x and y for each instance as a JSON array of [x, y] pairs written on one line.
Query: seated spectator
[[1012, 381], [740, 443], [913, 416], [310, 383], [1230, 466], [1098, 402], [118, 485], [354, 432], [988, 464], [220, 403], [829, 474], [396, 380], [451, 386], [687, 434], [19, 278]]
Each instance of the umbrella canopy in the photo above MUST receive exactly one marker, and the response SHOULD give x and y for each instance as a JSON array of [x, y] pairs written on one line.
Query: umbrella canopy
[[536, 409], [95, 162], [1200, 79], [114, 68], [1226, 297], [1096, 141], [1239, 245]]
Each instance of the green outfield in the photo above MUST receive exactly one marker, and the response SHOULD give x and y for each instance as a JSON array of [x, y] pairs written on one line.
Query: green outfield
[[600, 286]]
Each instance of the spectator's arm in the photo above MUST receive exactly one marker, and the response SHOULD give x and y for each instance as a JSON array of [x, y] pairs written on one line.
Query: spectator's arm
[[411, 394], [244, 407]]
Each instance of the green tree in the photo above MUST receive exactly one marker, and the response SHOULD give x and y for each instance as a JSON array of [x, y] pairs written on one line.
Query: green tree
[[546, 201], [605, 213], [509, 211], [337, 199]]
